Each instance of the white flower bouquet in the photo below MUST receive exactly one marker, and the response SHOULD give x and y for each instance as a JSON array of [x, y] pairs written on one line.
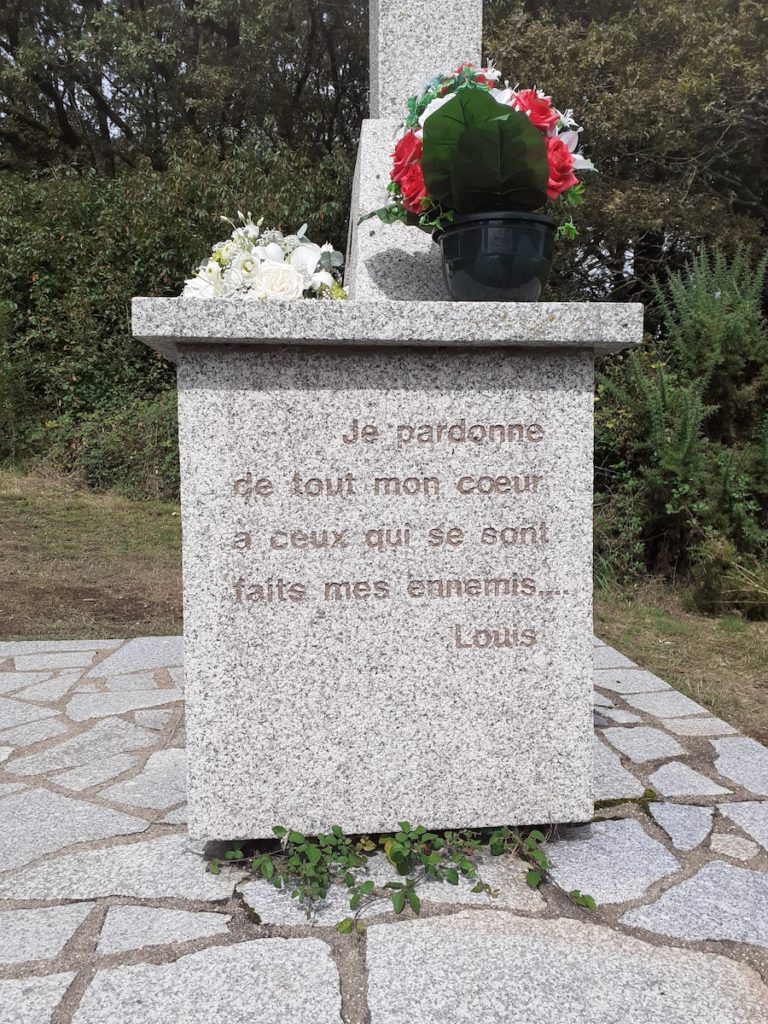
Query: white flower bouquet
[[266, 265]]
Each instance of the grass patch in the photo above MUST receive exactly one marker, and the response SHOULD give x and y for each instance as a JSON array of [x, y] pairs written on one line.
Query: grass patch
[[719, 662], [76, 563]]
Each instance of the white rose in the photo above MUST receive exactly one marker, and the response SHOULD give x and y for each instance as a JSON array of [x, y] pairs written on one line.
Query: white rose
[[280, 281]]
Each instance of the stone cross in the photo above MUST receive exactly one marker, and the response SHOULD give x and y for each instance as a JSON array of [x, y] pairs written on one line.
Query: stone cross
[[410, 42]]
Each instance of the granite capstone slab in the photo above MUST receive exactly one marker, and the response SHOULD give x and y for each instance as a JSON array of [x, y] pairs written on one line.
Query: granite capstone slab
[[687, 825], [721, 901], [127, 928], [751, 816], [501, 969], [291, 980], [613, 861], [276, 681], [743, 761], [643, 743], [32, 1000], [36, 822], [166, 324], [39, 934]]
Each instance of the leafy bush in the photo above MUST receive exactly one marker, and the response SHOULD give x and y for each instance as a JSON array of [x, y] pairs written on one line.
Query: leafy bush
[[682, 426], [79, 246]]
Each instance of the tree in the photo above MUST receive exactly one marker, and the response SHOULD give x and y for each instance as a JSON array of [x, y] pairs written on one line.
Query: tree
[[98, 83]]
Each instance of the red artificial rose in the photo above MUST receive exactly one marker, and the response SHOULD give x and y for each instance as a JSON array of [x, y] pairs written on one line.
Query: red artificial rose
[[407, 150], [413, 188], [479, 77], [538, 108], [561, 176]]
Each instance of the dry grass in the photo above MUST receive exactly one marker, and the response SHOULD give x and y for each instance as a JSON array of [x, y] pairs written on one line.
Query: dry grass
[[720, 662], [74, 563]]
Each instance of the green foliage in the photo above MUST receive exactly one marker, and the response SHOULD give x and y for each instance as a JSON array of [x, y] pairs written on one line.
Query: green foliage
[[671, 94], [79, 246], [682, 426], [481, 156], [306, 866]]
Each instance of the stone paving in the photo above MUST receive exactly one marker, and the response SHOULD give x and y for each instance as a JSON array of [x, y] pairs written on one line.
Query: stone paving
[[107, 914]]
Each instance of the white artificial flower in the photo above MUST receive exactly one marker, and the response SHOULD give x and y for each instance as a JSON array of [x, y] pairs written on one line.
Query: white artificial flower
[[305, 258], [197, 288], [211, 272], [271, 252], [504, 96], [582, 163], [571, 140], [280, 281], [491, 73], [232, 280], [247, 264], [322, 277], [435, 105]]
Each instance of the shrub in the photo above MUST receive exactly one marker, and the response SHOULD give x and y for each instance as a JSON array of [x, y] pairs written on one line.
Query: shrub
[[682, 426]]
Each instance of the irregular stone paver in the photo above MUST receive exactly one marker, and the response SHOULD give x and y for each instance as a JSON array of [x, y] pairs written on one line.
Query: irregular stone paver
[[676, 779], [269, 980], [12, 648], [744, 761], [720, 901], [13, 713], [622, 717], [100, 705], [601, 701], [137, 927], [150, 869], [499, 969], [36, 822], [162, 783], [6, 788], [607, 657], [664, 705], [643, 743], [686, 824], [111, 736], [612, 781], [629, 680], [132, 681], [96, 772], [32, 1000], [178, 816], [10, 681], [613, 861], [34, 732], [153, 719], [734, 846], [149, 652], [39, 934], [5, 753], [50, 691], [275, 906], [177, 675], [751, 816], [71, 659], [709, 726]]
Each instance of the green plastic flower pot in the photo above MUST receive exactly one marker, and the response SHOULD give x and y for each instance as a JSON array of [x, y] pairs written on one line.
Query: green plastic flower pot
[[497, 257]]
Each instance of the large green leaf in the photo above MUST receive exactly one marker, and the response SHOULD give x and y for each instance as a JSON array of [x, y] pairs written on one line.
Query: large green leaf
[[480, 155]]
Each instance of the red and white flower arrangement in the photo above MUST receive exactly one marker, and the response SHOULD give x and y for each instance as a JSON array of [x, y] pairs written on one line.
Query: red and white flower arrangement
[[453, 132]]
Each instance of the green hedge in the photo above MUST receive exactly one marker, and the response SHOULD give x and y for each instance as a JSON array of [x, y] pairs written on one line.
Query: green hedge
[[78, 246]]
